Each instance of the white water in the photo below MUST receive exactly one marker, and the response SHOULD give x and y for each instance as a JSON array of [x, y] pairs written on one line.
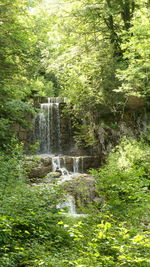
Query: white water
[[76, 161], [78, 165], [49, 126], [69, 203], [57, 164]]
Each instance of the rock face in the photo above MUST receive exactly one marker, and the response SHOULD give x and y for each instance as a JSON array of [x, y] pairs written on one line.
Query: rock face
[[41, 165], [83, 188], [25, 135], [52, 127], [38, 167], [57, 151]]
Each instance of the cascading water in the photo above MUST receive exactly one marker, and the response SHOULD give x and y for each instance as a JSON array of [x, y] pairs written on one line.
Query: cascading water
[[69, 203], [54, 133], [48, 131], [55, 163], [78, 165], [59, 164]]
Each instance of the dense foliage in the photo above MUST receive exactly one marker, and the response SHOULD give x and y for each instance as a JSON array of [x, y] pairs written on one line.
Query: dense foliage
[[34, 232], [96, 53], [99, 54], [28, 220]]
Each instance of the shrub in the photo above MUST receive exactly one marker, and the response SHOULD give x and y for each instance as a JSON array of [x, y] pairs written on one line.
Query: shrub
[[124, 180]]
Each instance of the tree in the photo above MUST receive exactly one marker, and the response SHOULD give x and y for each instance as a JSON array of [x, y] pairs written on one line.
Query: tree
[[135, 76], [87, 39], [16, 62]]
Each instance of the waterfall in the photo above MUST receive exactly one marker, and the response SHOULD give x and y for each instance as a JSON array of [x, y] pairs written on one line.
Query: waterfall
[[76, 164], [53, 133], [69, 203], [48, 132], [59, 164], [58, 127], [55, 163]]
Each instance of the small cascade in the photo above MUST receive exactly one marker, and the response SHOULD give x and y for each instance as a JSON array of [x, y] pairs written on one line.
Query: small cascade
[[55, 163], [76, 161], [69, 203], [60, 165], [78, 165]]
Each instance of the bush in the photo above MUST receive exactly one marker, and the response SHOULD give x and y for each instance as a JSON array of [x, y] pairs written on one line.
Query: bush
[[109, 244], [115, 232], [28, 215], [124, 180]]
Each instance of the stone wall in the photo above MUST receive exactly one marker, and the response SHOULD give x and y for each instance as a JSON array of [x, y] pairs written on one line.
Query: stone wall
[[25, 134]]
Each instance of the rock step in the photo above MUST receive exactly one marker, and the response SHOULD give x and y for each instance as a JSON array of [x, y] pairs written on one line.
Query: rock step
[[41, 165]]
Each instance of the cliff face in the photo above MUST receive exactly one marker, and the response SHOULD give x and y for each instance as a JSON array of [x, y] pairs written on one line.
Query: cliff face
[[107, 134], [53, 129]]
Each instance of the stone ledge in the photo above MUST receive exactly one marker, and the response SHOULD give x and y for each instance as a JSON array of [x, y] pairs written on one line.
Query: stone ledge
[[40, 165]]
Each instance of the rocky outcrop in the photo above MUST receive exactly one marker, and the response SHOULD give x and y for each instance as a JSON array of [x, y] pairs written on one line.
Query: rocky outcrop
[[39, 166], [106, 129], [83, 188], [25, 134]]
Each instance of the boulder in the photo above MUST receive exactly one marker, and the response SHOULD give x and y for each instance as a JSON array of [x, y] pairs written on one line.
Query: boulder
[[39, 172], [83, 188], [38, 167]]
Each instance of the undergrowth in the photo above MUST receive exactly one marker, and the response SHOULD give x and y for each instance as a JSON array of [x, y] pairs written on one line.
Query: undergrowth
[[35, 233]]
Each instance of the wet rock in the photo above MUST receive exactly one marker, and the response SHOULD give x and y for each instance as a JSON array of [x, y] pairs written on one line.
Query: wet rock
[[39, 172], [83, 188], [38, 167], [47, 161]]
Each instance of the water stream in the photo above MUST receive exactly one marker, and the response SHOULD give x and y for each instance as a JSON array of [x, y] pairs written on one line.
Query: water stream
[[48, 132], [59, 164]]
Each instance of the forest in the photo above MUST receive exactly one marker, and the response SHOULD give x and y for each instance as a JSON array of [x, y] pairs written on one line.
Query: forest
[[95, 54]]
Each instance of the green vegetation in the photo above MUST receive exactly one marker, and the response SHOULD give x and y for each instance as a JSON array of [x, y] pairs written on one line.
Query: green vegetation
[[34, 232], [96, 53]]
